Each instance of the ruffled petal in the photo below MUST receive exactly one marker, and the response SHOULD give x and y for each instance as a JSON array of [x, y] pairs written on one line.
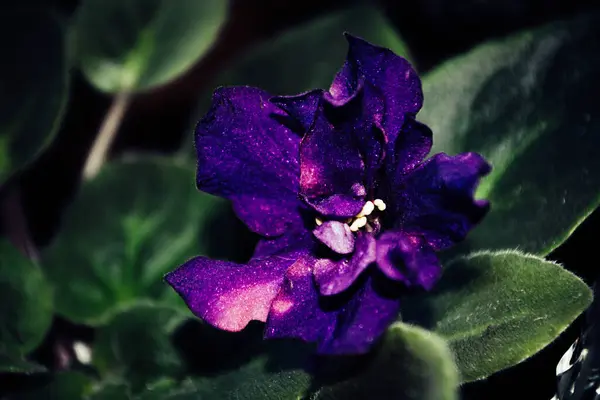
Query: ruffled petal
[[436, 200], [410, 148], [246, 155], [408, 259], [302, 107], [336, 235], [331, 165], [335, 276], [339, 326], [363, 319], [229, 295], [385, 75]]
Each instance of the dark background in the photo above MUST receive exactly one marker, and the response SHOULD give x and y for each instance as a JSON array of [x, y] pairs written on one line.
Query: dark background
[[159, 121]]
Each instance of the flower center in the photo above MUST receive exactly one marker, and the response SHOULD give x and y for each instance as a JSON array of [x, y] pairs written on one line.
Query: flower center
[[366, 218]]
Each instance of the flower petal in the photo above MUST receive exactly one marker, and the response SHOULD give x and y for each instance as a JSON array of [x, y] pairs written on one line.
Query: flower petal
[[363, 319], [229, 295], [349, 325], [408, 259], [335, 276], [436, 200], [302, 107], [336, 235], [410, 148], [246, 155], [390, 77], [269, 216], [331, 164], [291, 241]]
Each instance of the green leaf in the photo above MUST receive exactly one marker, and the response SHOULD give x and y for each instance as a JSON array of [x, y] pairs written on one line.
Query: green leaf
[[411, 364], [308, 57], [497, 309], [33, 86], [16, 365], [530, 105], [62, 386], [132, 45], [25, 308], [136, 345], [110, 390], [129, 226]]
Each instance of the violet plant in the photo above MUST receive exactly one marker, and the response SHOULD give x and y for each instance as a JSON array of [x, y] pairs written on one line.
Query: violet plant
[[362, 230]]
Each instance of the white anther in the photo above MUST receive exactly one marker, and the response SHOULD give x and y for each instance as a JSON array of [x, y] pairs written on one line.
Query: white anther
[[379, 204], [83, 352], [366, 210], [318, 221], [358, 223]]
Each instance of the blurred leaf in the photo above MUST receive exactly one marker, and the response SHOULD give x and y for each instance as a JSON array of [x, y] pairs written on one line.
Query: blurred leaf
[[305, 57], [25, 308], [131, 45], [15, 364], [129, 226], [62, 386], [497, 309], [308, 57], [110, 390], [530, 105], [411, 364], [33, 86], [137, 346]]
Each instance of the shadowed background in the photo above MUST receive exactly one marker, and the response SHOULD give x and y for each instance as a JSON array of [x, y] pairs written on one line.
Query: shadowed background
[[159, 121]]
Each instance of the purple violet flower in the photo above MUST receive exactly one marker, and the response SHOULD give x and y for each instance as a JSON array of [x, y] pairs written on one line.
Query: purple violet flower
[[349, 211]]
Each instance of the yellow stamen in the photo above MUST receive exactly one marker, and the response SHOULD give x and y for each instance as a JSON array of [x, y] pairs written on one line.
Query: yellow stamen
[[366, 210], [358, 223], [318, 221], [379, 204]]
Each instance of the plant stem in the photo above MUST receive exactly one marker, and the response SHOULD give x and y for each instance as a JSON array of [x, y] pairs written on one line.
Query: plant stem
[[106, 135], [15, 223]]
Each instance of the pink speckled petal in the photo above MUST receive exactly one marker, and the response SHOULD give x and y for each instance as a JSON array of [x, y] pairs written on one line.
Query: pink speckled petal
[[336, 235], [348, 326], [408, 259], [335, 276], [436, 200], [388, 75], [331, 164], [229, 295], [247, 155]]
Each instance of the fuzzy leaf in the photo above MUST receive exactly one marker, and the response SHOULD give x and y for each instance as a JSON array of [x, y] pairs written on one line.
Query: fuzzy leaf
[[132, 45], [530, 105], [497, 309]]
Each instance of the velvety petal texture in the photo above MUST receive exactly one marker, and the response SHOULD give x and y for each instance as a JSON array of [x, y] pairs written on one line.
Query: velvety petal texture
[[408, 259], [333, 276], [331, 165], [410, 148], [247, 155], [349, 210], [436, 200], [337, 236], [338, 326], [229, 295], [384, 75]]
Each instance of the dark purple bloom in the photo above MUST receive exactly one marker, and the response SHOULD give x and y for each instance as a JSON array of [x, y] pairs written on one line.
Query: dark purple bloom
[[349, 209]]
